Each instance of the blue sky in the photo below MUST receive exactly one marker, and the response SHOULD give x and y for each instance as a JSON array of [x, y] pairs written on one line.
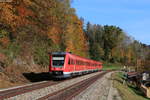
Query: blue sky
[[133, 16]]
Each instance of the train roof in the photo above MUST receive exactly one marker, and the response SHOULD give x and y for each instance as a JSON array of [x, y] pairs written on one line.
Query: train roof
[[58, 53], [64, 53]]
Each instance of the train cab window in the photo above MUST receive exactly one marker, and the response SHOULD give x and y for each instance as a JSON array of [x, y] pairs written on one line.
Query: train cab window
[[58, 60]]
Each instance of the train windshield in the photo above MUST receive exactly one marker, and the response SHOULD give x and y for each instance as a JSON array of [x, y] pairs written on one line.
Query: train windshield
[[58, 60]]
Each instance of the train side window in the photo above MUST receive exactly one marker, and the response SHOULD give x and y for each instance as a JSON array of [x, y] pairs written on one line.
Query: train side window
[[83, 63], [78, 62], [75, 62], [72, 62], [69, 61], [88, 64]]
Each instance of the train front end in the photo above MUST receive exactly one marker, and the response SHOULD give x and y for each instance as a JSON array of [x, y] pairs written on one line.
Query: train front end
[[57, 64]]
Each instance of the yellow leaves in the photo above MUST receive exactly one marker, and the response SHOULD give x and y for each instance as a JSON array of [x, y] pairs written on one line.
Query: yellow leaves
[[69, 38], [27, 2], [54, 34], [4, 39], [75, 40], [70, 46]]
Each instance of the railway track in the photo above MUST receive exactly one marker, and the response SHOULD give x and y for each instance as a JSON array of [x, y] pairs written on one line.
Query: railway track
[[24, 89], [71, 91], [66, 93]]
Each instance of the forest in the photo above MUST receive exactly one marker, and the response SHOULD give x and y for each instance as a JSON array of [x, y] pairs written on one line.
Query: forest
[[30, 29]]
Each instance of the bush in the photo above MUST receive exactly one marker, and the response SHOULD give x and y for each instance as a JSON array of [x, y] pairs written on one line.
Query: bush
[[12, 51]]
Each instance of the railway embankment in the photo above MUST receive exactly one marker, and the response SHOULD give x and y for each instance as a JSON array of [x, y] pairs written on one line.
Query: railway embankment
[[103, 88], [39, 93], [127, 90]]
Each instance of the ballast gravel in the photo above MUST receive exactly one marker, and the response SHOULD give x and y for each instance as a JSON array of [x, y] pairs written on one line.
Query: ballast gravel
[[102, 89], [35, 94]]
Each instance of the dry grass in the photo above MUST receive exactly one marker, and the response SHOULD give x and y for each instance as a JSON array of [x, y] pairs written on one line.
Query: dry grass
[[127, 92], [13, 75], [5, 81]]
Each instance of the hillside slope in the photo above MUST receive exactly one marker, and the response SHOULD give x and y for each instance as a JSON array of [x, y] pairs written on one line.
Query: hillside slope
[[29, 29]]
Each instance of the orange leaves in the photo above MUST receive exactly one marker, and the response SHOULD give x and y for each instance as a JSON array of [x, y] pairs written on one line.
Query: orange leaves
[[54, 34], [48, 18], [2, 57], [23, 11], [15, 15], [6, 14], [4, 41]]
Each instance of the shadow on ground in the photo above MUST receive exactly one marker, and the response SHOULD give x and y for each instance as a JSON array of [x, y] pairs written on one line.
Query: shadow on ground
[[37, 77], [137, 91]]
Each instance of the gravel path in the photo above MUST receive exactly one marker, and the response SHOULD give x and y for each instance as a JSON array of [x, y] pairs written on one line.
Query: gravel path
[[100, 90], [113, 93], [45, 91]]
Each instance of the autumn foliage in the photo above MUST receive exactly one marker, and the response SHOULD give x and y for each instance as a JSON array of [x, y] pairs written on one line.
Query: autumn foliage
[[37, 27]]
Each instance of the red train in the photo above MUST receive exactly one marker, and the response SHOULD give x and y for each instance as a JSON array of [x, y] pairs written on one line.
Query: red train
[[64, 64]]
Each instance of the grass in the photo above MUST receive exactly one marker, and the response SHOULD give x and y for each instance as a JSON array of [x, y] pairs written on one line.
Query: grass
[[127, 92], [108, 66]]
